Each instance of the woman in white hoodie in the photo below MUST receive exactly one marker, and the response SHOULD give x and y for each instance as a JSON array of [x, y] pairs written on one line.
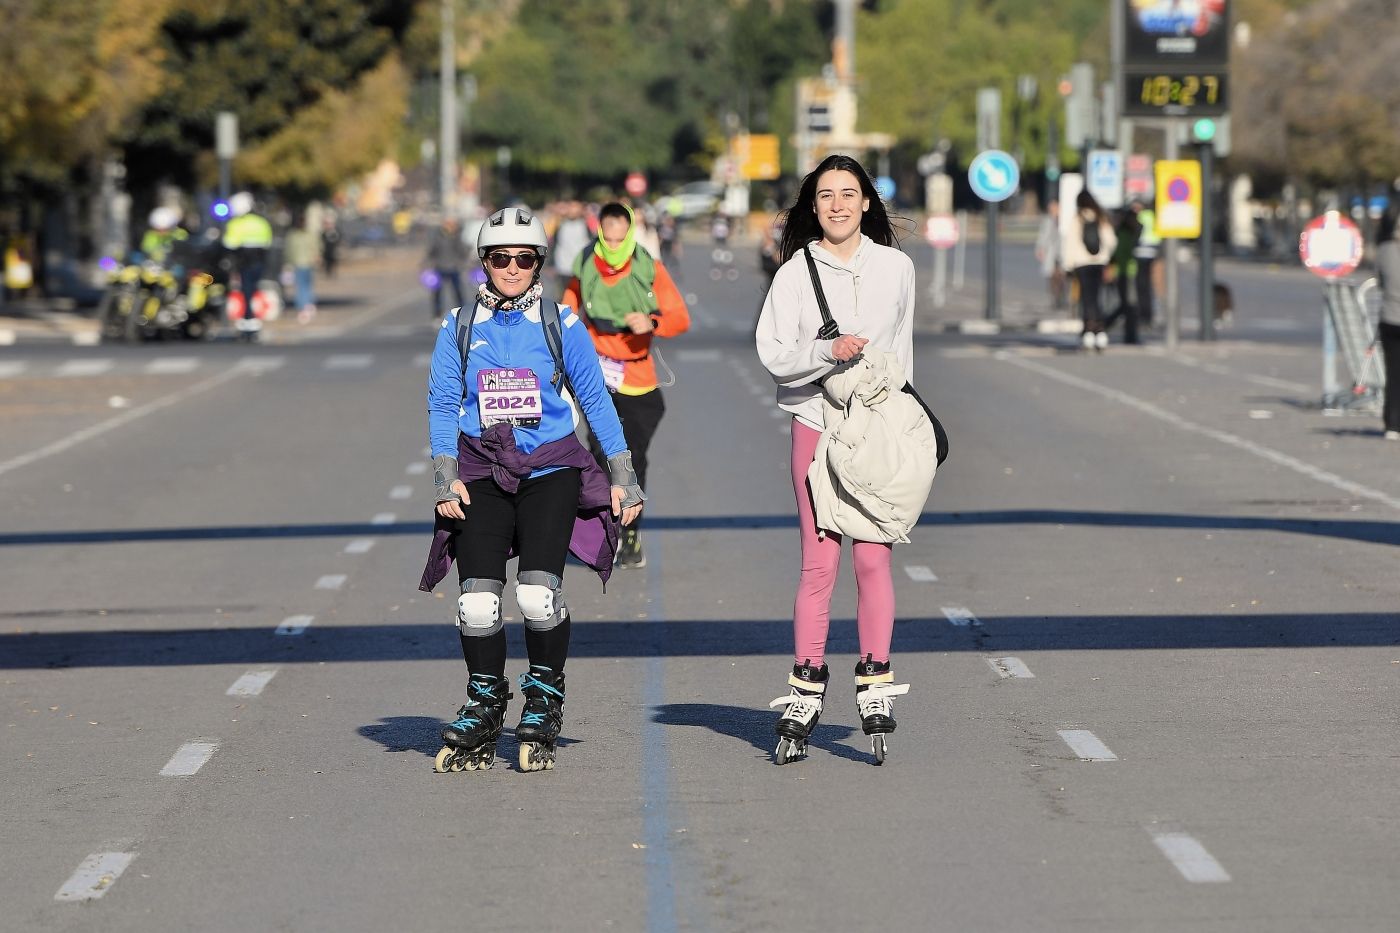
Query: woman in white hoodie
[[839, 220]]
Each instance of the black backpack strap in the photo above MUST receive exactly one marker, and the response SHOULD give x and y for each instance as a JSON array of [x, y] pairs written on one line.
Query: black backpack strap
[[940, 436], [550, 314], [464, 341], [829, 330]]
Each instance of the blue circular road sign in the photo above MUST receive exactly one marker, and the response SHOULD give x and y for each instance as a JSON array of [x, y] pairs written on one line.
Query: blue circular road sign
[[994, 175]]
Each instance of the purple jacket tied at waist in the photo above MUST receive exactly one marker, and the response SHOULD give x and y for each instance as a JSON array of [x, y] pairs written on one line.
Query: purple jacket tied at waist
[[494, 454]]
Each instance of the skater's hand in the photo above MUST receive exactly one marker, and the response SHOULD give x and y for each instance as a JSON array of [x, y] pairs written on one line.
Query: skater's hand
[[848, 346], [639, 323], [452, 509], [629, 514]]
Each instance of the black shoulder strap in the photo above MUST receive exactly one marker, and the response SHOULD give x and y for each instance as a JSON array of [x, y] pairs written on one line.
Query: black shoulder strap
[[464, 340], [829, 330]]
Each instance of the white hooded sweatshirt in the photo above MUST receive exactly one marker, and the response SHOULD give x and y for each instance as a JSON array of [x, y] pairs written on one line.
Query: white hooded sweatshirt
[[871, 296]]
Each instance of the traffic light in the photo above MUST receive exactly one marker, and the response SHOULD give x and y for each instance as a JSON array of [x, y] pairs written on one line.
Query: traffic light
[[1203, 130]]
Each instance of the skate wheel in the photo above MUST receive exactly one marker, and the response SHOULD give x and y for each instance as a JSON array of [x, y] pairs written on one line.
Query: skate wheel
[[787, 750], [877, 745], [443, 762]]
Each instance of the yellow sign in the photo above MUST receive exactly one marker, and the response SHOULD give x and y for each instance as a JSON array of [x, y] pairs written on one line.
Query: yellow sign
[[1179, 199], [756, 156]]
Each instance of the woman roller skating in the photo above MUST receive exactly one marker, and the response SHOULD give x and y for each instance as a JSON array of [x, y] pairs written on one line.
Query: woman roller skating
[[839, 221], [513, 480]]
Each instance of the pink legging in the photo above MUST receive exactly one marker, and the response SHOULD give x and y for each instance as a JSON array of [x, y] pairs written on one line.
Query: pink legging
[[821, 559]]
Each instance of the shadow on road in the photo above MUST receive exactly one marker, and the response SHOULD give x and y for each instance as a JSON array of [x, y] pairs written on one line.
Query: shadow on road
[[421, 734], [726, 638], [1364, 531], [754, 726]]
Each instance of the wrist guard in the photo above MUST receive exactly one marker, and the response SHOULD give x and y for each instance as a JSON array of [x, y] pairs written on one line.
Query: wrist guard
[[622, 474], [444, 475]]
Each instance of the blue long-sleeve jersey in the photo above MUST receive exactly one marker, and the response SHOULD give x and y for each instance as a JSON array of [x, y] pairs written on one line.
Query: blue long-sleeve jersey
[[515, 340]]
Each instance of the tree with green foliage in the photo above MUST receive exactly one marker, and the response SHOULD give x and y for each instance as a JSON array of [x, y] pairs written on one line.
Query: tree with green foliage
[[314, 81]]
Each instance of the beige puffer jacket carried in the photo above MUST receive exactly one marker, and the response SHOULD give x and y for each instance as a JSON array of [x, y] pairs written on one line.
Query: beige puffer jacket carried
[[877, 455]]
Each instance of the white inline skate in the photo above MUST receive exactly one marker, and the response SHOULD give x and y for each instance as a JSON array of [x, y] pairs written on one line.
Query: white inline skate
[[875, 693], [804, 708]]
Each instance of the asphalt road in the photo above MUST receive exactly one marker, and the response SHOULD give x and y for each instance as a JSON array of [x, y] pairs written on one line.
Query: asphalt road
[[1149, 622]]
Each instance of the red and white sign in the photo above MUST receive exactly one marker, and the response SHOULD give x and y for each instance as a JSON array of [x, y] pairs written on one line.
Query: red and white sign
[[1331, 246], [1137, 180], [636, 184], [941, 231]]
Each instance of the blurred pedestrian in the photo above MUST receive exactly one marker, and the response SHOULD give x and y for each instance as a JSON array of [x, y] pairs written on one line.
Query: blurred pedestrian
[[1145, 255], [1388, 267], [303, 252], [627, 299], [509, 379], [1124, 270], [447, 254], [837, 232], [162, 233], [330, 246], [571, 238], [1050, 254], [248, 236], [1087, 249]]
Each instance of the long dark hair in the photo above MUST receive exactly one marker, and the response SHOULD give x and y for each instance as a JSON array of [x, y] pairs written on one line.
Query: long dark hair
[[800, 225]]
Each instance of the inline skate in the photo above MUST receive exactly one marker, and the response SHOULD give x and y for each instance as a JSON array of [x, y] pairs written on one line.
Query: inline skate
[[804, 708], [542, 717], [875, 690], [469, 741]]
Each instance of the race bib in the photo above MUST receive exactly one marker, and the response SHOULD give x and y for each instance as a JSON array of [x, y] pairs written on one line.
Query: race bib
[[509, 395], [612, 372]]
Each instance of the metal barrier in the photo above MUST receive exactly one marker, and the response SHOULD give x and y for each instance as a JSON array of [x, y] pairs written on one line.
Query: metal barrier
[[1350, 328]]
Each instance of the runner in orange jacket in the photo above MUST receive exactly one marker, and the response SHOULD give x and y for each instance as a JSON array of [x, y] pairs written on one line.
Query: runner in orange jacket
[[627, 298]]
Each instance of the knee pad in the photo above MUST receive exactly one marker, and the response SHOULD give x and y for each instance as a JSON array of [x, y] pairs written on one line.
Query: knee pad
[[541, 599], [479, 607]]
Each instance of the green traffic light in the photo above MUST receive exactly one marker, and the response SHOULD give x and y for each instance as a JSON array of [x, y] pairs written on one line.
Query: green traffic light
[[1204, 130]]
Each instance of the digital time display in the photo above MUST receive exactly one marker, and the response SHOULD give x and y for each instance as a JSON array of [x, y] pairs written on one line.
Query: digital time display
[[1175, 94]]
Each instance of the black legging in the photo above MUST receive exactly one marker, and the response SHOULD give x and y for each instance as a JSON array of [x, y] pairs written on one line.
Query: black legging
[[537, 521], [1090, 285], [640, 416], [1390, 349]]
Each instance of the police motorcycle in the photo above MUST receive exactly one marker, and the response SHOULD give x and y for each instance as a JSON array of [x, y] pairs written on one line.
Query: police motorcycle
[[148, 299]]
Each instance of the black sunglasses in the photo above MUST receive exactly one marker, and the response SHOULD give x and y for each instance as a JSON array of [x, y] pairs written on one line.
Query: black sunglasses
[[524, 261]]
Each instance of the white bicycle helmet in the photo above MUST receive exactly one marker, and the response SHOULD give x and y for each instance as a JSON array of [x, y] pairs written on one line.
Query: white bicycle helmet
[[164, 218], [240, 204], [512, 226]]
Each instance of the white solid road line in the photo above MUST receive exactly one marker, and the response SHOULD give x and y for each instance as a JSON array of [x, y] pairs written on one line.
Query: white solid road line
[[348, 361], [295, 625], [1224, 437], [83, 367], [251, 684], [401, 492], [359, 546], [1010, 667], [95, 876], [331, 581], [175, 365], [416, 468], [1190, 858], [189, 758], [961, 616], [244, 368], [920, 574], [11, 368], [383, 518], [1086, 745]]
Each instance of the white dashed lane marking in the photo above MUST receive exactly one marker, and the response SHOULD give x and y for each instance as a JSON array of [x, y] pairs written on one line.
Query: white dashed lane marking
[[422, 360], [95, 876], [251, 684], [1010, 667], [295, 625], [359, 546], [172, 366], [1086, 745], [416, 468], [348, 361], [961, 616], [189, 758], [383, 518], [698, 356], [75, 368], [331, 581], [11, 368], [1190, 858], [921, 574], [401, 492]]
